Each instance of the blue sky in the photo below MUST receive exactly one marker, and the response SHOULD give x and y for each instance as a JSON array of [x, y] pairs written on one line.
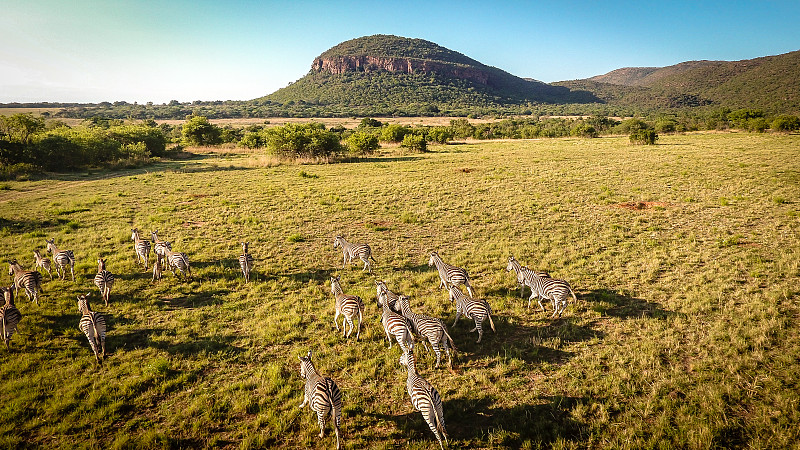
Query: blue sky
[[110, 50]]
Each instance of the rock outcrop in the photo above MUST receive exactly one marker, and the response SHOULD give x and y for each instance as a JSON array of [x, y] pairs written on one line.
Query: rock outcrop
[[343, 64]]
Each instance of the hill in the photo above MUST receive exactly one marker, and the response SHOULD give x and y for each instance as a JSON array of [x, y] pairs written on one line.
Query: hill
[[771, 83], [397, 73]]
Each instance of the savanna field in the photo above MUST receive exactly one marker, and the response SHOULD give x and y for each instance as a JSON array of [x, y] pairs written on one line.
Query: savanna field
[[685, 258]]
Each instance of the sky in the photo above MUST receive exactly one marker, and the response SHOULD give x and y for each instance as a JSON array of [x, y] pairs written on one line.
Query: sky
[[156, 51]]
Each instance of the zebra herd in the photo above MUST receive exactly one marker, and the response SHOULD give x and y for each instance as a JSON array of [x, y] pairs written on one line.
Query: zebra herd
[[399, 321], [406, 327], [92, 323]]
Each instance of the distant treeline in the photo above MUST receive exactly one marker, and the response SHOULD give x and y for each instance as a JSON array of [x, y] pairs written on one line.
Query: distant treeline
[[29, 143]]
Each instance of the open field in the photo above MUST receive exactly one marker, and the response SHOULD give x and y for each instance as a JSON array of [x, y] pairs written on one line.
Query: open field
[[685, 258]]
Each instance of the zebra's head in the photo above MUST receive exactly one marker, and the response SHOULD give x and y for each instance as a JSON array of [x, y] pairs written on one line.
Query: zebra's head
[[432, 260], [134, 233], [337, 241], [101, 265], [51, 244], [335, 286], [12, 264], [407, 358], [381, 288], [83, 304], [455, 292], [306, 366], [245, 246], [154, 235], [512, 264]]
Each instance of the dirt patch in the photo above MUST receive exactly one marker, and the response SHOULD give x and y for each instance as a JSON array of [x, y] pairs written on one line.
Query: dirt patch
[[639, 206]]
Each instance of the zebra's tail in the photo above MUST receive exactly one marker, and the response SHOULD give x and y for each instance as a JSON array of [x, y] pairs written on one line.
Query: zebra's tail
[[491, 322], [447, 335]]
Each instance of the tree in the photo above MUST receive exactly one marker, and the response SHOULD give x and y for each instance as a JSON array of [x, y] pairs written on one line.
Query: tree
[[21, 127], [362, 143], [414, 142], [197, 130], [786, 122], [643, 137], [394, 133]]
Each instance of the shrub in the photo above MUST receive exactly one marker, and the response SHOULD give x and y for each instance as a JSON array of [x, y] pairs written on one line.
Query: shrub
[[415, 143], [643, 137], [786, 122], [440, 135], [362, 143], [302, 140], [394, 133]]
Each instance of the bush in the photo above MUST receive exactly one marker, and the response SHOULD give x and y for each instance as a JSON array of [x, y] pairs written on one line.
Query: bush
[[440, 135], [302, 140], [643, 137], [415, 143], [394, 133], [582, 129], [197, 130], [362, 143], [786, 122]]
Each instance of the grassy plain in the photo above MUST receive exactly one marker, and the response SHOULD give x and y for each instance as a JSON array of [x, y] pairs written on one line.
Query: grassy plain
[[685, 257]]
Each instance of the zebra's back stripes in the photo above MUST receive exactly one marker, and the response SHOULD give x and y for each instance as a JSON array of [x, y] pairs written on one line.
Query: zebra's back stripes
[[30, 280], [347, 305], [449, 274], [351, 251], [93, 325], [104, 280], [9, 315], [141, 247], [477, 310], [62, 258], [323, 396], [424, 397], [246, 262]]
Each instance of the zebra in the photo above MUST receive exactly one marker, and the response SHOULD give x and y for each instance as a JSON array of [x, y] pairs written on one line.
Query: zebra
[[350, 251], [450, 274], [348, 306], [103, 280], [141, 247], [156, 269], [160, 248], [43, 262], [524, 277], [31, 280], [394, 325], [424, 397], [430, 328], [62, 258], [322, 394], [9, 315], [551, 289], [93, 325], [246, 262], [477, 310], [178, 260], [388, 296]]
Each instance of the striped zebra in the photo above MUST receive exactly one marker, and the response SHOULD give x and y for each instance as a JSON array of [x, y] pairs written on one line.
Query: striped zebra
[[477, 310], [104, 280], [351, 251], [322, 395], [160, 248], [93, 325], [178, 260], [9, 315], [347, 305], [553, 289], [395, 325], [62, 258], [246, 262], [141, 247], [430, 328], [385, 295], [30, 280], [43, 262], [424, 397], [156, 269], [524, 276], [449, 274]]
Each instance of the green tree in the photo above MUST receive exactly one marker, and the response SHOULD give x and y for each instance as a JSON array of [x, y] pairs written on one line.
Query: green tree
[[462, 129], [362, 143], [440, 135], [786, 122], [643, 137], [414, 142], [197, 130], [21, 127], [394, 133]]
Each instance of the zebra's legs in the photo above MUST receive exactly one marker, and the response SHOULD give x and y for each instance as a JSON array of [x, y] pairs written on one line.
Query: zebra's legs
[[349, 322], [336, 320], [469, 288], [321, 421], [72, 271], [479, 327], [458, 314], [360, 318]]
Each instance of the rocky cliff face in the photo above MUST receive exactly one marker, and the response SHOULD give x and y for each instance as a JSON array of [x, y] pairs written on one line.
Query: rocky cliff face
[[342, 64]]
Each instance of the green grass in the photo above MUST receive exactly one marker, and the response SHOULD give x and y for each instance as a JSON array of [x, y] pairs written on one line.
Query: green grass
[[685, 333]]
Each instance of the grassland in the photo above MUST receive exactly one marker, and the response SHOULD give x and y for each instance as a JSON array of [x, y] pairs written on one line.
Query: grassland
[[685, 257]]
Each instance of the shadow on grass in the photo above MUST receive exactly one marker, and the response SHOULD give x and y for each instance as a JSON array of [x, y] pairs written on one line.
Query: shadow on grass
[[543, 423], [189, 346], [196, 299], [379, 159], [613, 304], [513, 339], [322, 276], [29, 226]]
